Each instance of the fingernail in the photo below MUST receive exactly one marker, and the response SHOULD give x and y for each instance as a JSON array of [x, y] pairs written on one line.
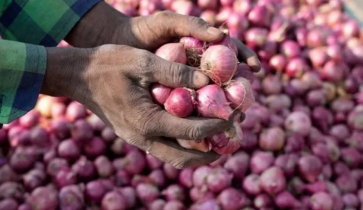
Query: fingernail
[[214, 31], [200, 79]]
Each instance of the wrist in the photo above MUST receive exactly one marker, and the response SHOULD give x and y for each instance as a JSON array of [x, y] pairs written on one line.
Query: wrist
[[65, 71], [97, 27]]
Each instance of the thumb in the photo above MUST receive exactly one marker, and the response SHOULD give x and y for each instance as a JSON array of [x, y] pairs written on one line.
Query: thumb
[[183, 25], [179, 75]]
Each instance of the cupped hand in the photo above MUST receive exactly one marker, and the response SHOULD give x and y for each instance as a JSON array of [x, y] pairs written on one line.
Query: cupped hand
[[150, 32], [113, 82], [105, 25]]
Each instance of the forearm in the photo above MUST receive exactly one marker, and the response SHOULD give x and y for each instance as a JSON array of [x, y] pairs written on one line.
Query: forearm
[[99, 26]]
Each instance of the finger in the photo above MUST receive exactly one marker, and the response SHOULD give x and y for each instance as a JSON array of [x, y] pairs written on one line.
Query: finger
[[193, 128], [182, 25], [248, 56], [178, 75], [167, 150]]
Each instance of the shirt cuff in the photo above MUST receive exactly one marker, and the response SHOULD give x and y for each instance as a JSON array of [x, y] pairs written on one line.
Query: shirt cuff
[[22, 70], [45, 22]]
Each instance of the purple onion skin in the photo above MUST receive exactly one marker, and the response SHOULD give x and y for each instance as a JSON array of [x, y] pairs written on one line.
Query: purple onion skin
[[130, 195], [340, 168], [158, 178], [171, 172], [346, 183], [351, 201], [113, 200], [44, 198], [198, 194], [321, 200], [272, 180], [294, 143], [157, 204], [71, 197], [153, 162], [238, 164], [174, 192], [351, 157], [206, 205], [104, 166], [251, 184], [260, 161], [147, 192], [177, 205], [310, 167], [200, 175], [24, 206], [218, 179], [263, 201], [33, 179], [65, 177], [286, 200], [12, 190], [231, 198], [8, 204], [186, 177], [95, 191]]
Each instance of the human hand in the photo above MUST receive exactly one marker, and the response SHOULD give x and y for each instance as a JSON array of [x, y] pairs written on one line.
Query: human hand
[[105, 25], [113, 82]]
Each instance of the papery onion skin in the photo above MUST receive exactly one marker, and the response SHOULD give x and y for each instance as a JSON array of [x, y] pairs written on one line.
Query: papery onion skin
[[219, 63]]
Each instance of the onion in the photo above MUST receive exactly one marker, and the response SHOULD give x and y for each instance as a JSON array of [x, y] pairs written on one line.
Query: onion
[[173, 52], [160, 93], [239, 93], [260, 16], [219, 63], [321, 200], [272, 180], [180, 102], [212, 102], [230, 198], [310, 167]]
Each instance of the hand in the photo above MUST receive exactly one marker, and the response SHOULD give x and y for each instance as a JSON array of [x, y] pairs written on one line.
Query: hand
[[105, 25], [113, 82]]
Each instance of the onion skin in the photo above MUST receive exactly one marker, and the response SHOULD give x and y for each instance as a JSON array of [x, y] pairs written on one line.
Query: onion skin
[[219, 63], [273, 180], [173, 52], [160, 93], [235, 136], [239, 93], [212, 102], [180, 102]]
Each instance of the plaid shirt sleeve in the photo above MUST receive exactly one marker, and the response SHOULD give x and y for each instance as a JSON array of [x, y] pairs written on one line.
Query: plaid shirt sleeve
[[35, 23]]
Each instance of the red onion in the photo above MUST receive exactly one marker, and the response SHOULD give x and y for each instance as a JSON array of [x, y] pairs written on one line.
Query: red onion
[[298, 122], [8, 204], [95, 147], [230, 198], [158, 177], [256, 37], [260, 161], [171, 172], [44, 198], [174, 192], [71, 197], [211, 102], [207, 4], [310, 167], [113, 200], [239, 93], [147, 192], [278, 62], [273, 139], [209, 16], [286, 200], [180, 102], [334, 71], [321, 201], [219, 63], [238, 164], [200, 175], [251, 184], [75, 111], [260, 16], [227, 41], [95, 191], [296, 67], [218, 179], [272, 180], [160, 93], [173, 52]]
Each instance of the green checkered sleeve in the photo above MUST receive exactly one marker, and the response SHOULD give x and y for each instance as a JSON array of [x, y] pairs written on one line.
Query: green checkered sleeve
[[22, 68], [43, 22], [31, 25]]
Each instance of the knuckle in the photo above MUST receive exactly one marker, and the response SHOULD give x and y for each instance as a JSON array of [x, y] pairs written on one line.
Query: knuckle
[[195, 133], [179, 74], [197, 21], [164, 14]]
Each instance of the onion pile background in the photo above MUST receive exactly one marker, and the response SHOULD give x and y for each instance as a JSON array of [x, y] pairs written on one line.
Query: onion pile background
[[303, 138]]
